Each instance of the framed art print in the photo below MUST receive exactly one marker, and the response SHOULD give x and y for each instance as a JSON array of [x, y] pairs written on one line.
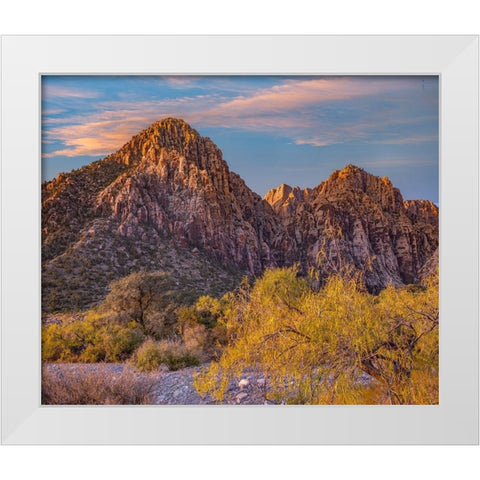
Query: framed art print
[[255, 239]]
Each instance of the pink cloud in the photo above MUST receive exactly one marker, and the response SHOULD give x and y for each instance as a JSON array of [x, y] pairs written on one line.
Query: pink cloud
[[295, 95], [93, 138], [283, 110]]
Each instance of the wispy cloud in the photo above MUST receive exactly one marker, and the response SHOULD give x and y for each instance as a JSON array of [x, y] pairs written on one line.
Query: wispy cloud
[[398, 162], [92, 138], [407, 140], [356, 133], [53, 111], [179, 81], [294, 109], [68, 92], [316, 142], [297, 94], [107, 129]]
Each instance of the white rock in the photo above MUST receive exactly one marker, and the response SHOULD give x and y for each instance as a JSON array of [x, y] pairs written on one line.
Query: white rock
[[241, 396], [243, 383]]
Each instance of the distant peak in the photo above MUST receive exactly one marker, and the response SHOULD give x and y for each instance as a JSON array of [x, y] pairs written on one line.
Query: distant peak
[[352, 168], [168, 127], [284, 196], [349, 172], [174, 126], [353, 178], [172, 121], [285, 188], [278, 195], [282, 189], [170, 134]]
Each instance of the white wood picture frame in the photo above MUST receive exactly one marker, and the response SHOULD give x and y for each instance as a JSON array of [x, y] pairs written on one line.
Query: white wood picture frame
[[453, 58]]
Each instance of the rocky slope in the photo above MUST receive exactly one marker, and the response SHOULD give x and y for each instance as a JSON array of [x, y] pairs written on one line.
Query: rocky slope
[[168, 201], [165, 201], [360, 220], [182, 187]]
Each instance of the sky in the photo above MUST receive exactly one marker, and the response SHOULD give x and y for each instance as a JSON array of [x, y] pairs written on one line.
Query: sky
[[271, 129]]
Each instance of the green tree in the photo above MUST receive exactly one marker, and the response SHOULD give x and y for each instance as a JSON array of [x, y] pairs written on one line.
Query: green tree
[[151, 300]]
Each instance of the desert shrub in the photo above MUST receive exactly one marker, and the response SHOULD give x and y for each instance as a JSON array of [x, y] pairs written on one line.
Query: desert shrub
[[208, 310], [316, 345], [119, 341], [196, 338], [150, 355], [140, 306], [202, 326], [114, 343], [78, 386], [91, 339], [53, 342]]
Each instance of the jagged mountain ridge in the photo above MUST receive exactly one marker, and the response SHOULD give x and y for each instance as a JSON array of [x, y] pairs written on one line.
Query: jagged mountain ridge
[[360, 220], [165, 201], [168, 193]]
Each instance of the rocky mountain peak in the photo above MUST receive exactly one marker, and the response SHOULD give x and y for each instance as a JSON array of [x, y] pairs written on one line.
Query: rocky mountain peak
[[167, 200], [179, 186], [356, 183], [376, 228], [277, 196], [284, 199], [173, 134], [354, 178], [166, 136]]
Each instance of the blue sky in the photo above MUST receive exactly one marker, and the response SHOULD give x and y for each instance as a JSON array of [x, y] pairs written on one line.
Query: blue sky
[[271, 130]]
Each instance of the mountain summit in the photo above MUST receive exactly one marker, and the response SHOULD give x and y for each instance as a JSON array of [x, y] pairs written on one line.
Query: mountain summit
[[360, 220], [181, 187], [168, 201]]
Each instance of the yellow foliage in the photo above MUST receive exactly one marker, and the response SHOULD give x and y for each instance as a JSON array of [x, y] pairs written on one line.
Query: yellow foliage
[[338, 345]]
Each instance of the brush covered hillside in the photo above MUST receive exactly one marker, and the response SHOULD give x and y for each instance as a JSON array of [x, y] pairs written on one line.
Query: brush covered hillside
[[144, 252], [165, 201]]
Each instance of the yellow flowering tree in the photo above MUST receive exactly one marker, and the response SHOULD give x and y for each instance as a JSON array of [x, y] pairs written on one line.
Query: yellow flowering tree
[[336, 345]]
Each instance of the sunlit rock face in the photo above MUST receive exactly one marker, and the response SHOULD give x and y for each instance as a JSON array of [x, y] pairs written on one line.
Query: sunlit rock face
[[180, 185], [359, 220]]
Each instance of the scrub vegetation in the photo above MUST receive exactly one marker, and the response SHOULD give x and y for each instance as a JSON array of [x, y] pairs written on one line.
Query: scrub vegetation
[[333, 344]]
